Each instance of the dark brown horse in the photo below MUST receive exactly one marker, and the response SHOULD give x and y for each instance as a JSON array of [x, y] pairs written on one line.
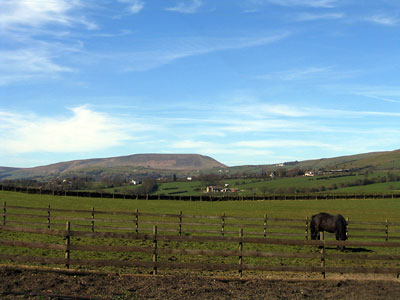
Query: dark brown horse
[[327, 222]]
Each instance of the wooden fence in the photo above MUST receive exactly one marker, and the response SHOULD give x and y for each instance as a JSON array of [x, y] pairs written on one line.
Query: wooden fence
[[205, 197], [185, 224], [68, 248]]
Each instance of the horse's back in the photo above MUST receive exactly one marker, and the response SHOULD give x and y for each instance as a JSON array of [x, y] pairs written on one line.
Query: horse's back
[[325, 222]]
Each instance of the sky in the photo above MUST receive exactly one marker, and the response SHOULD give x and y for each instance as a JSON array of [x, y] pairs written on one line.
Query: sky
[[242, 81]]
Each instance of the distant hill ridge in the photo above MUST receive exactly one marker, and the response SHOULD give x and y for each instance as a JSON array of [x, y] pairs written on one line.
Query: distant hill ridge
[[178, 162], [186, 164]]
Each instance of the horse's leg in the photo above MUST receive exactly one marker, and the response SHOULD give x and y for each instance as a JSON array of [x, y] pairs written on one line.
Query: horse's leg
[[341, 248]]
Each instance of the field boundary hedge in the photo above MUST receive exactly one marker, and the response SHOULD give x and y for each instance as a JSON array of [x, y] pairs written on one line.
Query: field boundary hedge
[[205, 197]]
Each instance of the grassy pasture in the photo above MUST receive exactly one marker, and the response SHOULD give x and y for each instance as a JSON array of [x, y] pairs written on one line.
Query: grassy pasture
[[265, 186], [358, 210]]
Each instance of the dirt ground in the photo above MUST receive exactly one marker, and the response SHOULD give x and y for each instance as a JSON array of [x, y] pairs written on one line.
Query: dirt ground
[[53, 285]]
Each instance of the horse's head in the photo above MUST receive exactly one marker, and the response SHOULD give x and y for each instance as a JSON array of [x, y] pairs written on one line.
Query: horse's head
[[341, 228], [314, 234]]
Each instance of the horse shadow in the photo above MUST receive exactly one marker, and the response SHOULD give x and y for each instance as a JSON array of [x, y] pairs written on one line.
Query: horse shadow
[[353, 250]]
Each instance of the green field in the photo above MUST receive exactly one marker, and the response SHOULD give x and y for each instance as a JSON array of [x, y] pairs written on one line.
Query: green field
[[361, 210], [377, 210], [372, 183]]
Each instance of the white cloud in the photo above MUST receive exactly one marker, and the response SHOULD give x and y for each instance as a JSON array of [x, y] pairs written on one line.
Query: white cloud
[[217, 148], [383, 20], [16, 13], [310, 73], [37, 35], [316, 17], [282, 144], [298, 74], [186, 7], [134, 6], [84, 131], [173, 49], [26, 64], [266, 110], [383, 93], [307, 3]]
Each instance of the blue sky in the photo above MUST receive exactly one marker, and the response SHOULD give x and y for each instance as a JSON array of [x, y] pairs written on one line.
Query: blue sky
[[246, 81]]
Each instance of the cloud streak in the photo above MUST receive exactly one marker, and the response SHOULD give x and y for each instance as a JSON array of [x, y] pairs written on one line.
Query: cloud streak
[[85, 131], [134, 6], [306, 3], [16, 13], [37, 34], [186, 7], [175, 49], [381, 19], [29, 64], [317, 17]]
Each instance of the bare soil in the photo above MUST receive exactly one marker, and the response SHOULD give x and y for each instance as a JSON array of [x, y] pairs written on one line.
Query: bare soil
[[17, 283]]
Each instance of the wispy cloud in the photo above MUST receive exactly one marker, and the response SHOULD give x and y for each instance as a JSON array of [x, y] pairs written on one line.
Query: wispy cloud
[[298, 74], [29, 64], [303, 17], [134, 6], [37, 35], [383, 20], [15, 13], [382, 93], [282, 143], [85, 130], [306, 3], [174, 49], [310, 73], [186, 7]]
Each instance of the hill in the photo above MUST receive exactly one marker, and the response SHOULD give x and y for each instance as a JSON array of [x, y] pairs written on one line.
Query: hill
[[117, 165], [365, 162], [143, 165]]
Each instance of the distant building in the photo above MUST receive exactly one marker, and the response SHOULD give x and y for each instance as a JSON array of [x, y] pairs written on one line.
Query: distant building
[[310, 173], [189, 179], [217, 189]]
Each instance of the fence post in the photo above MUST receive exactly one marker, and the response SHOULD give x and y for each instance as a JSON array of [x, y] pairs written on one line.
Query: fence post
[[48, 217], [137, 221], [306, 236], [322, 238], [180, 223], [387, 230], [93, 219], [265, 225], [4, 213], [155, 249], [240, 249], [223, 224], [67, 243]]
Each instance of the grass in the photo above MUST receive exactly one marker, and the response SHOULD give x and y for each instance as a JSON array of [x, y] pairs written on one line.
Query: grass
[[264, 186], [377, 210], [361, 210]]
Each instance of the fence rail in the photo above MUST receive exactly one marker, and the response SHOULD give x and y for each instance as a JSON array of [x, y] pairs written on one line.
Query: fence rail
[[180, 223], [156, 251], [205, 197]]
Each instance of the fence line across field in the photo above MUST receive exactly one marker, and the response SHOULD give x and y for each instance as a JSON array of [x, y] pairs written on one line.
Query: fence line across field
[[155, 251], [186, 224], [205, 197]]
